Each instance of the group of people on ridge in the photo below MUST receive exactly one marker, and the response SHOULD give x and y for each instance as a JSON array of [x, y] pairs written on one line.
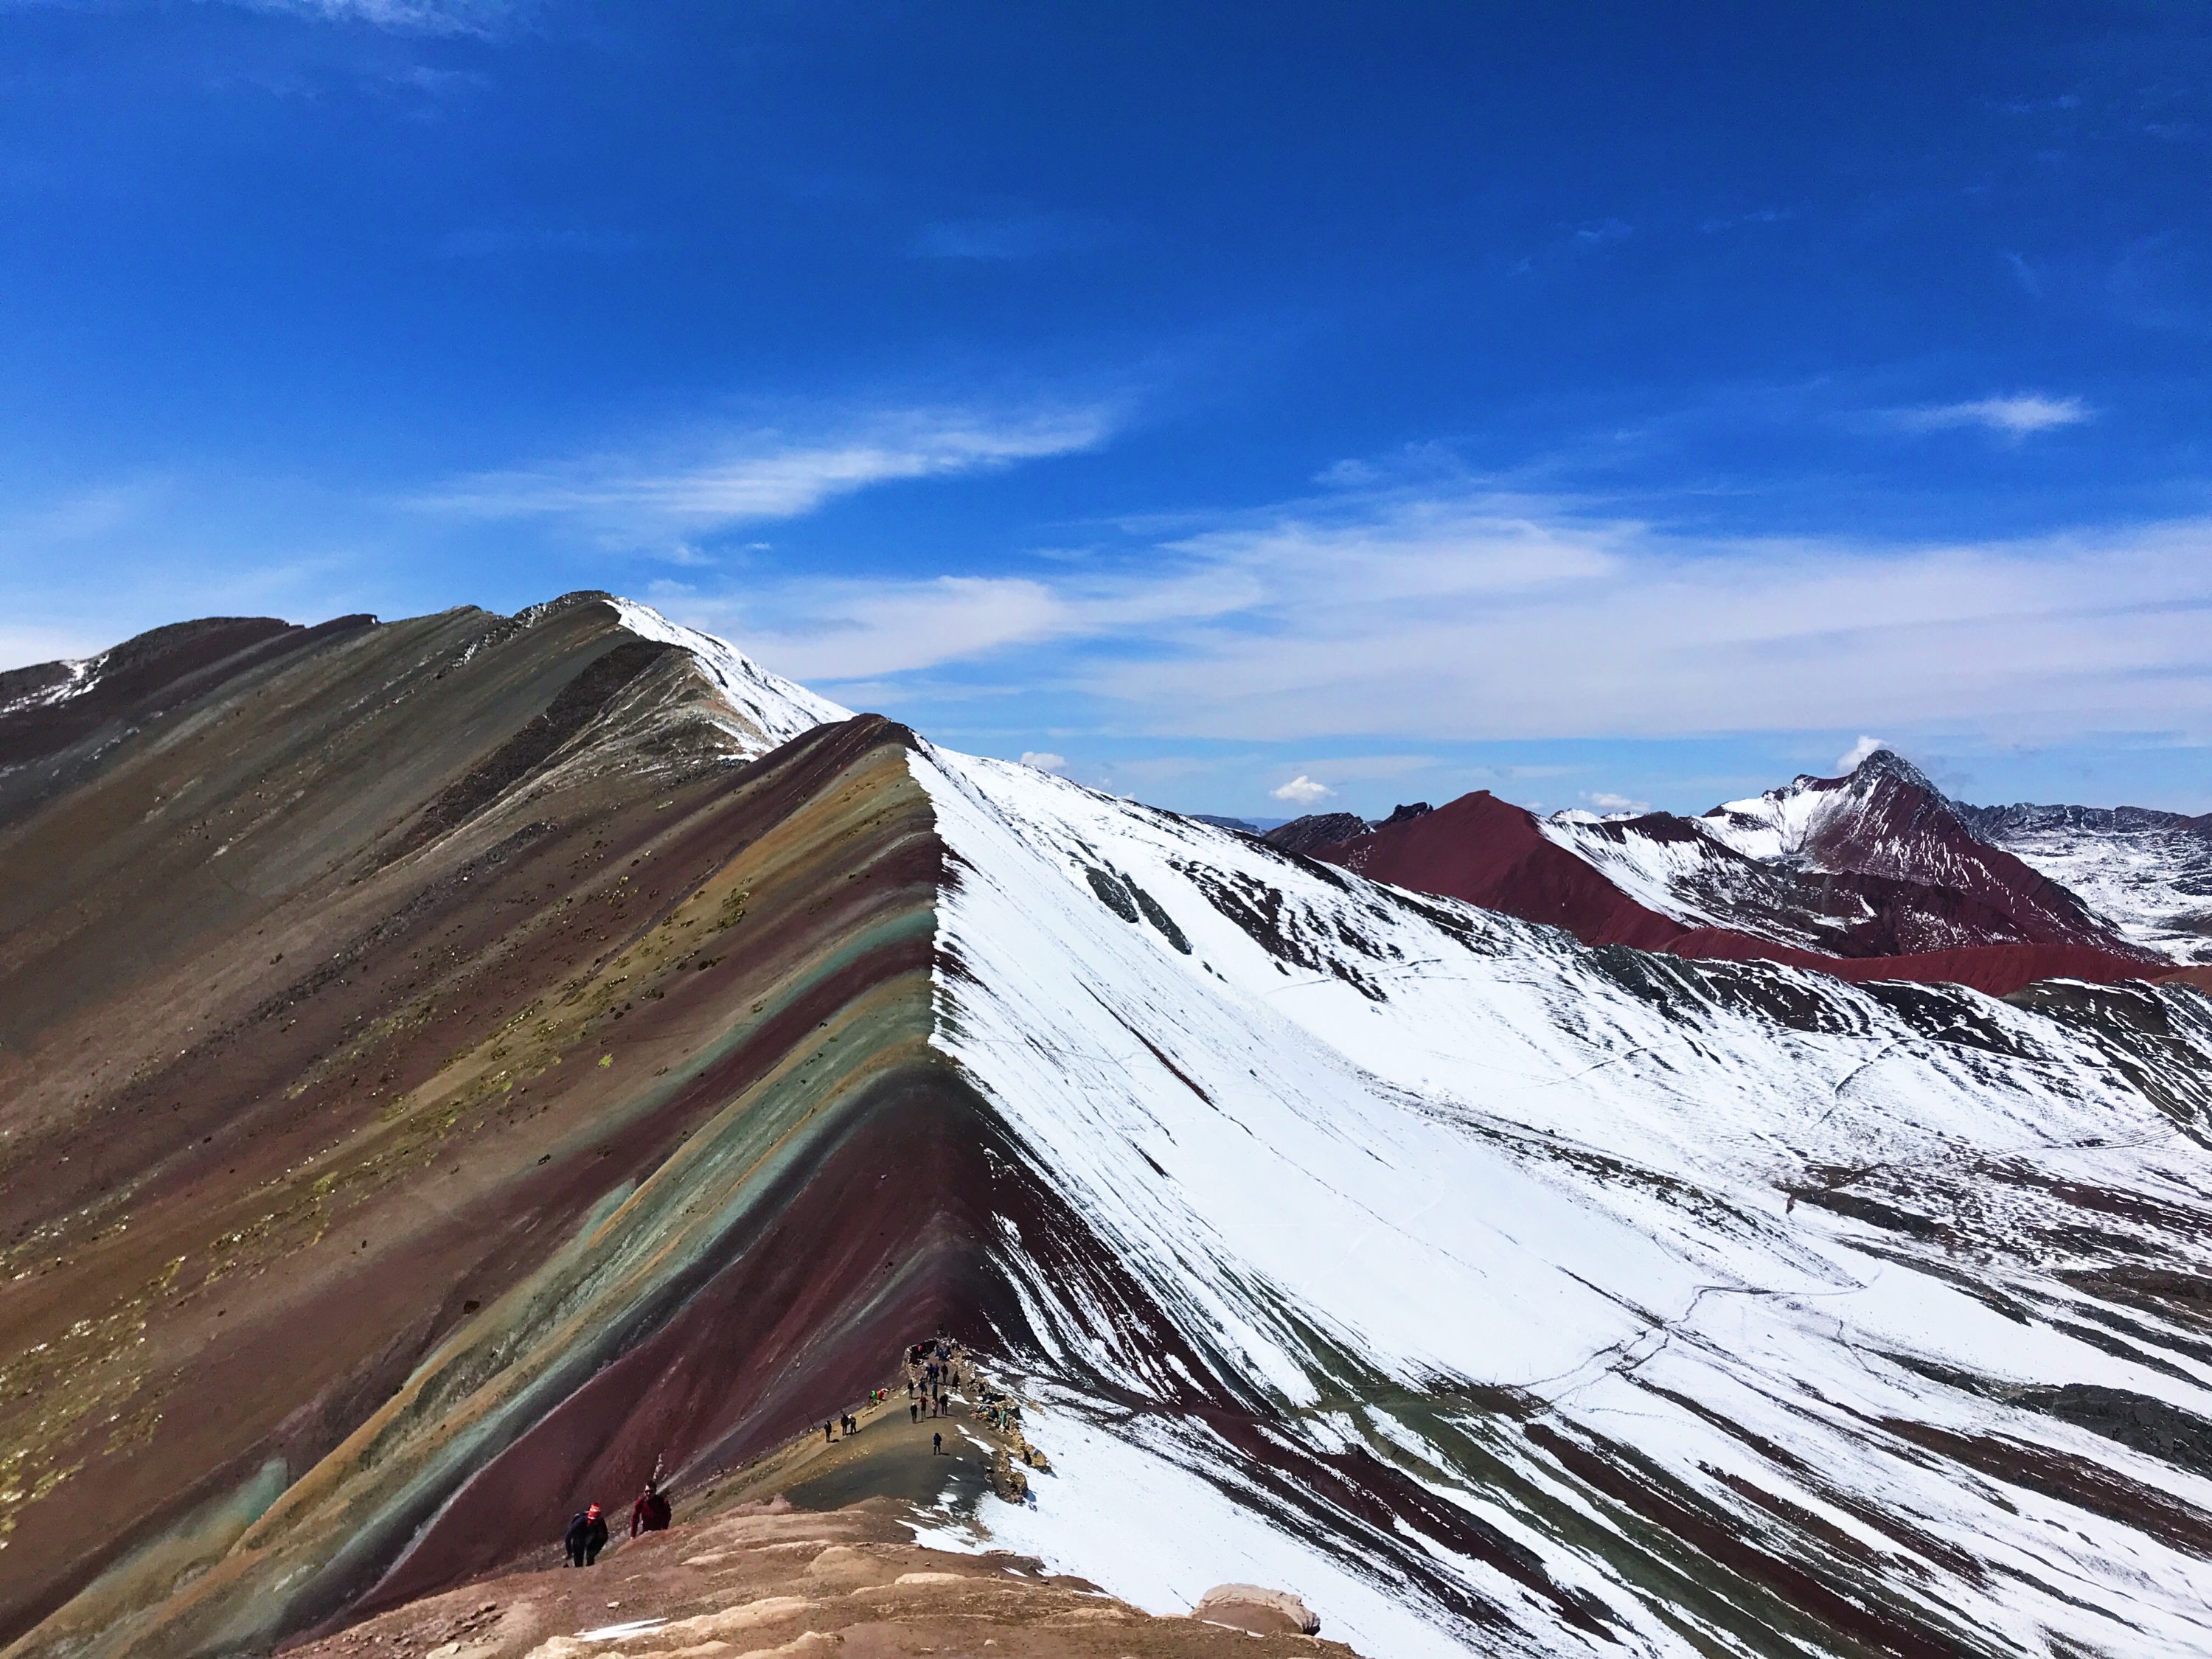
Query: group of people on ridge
[[933, 1369], [588, 1532]]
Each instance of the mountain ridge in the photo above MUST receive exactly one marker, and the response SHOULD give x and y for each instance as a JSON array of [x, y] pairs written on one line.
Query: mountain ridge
[[1488, 1288], [1828, 873]]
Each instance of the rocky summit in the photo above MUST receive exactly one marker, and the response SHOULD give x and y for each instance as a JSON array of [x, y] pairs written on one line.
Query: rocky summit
[[454, 1071]]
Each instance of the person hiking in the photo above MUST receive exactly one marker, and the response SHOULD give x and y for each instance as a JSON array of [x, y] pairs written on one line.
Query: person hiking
[[826, 1436], [936, 1445], [587, 1536], [652, 1512]]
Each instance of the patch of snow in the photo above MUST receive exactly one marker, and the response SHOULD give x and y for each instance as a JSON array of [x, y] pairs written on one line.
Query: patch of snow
[[1129, 1513], [2153, 882], [621, 1633], [771, 707], [1776, 825], [83, 673]]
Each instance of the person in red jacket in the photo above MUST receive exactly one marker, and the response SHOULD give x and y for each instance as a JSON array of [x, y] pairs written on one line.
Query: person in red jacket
[[652, 1512]]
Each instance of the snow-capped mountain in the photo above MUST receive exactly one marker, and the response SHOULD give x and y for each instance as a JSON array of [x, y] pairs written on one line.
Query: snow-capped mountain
[[1875, 863], [486, 1058], [2149, 872], [1885, 820], [1873, 874]]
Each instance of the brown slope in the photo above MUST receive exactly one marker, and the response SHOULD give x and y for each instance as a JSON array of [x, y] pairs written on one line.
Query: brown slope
[[282, 1068], [1315, 829], [1492, 854], [59, 721]]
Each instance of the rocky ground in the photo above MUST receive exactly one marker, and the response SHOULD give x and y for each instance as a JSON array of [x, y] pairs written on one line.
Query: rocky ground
[[772, 1578], [810, 1550]]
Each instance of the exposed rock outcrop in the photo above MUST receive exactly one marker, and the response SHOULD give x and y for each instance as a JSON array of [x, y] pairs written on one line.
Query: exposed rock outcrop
[[1262, 1612], [1315, 830]]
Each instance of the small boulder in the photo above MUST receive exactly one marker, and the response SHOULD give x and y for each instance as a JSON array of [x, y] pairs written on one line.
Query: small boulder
[[1263, 1612]]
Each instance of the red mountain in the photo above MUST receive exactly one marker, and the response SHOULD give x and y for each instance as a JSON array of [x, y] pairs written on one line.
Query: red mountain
[[2008, 929]]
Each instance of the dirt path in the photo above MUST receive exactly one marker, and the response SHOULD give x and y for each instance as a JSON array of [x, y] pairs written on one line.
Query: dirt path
[[889, 1456]]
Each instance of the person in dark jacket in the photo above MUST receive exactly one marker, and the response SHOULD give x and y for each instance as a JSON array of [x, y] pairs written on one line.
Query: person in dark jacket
[[652, 1512], [587, 1536]]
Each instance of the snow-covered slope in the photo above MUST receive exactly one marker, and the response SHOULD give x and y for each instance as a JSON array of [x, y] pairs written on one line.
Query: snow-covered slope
[[1508, 1296], [2149, 872], [1686, 870], [766, 708]]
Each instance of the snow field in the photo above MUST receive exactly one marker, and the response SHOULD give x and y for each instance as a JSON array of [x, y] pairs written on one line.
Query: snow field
[[1453, 1146]]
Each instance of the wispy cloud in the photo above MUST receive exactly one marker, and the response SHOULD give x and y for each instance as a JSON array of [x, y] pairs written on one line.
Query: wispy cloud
[[1018, 236], [1766, 215], [1848, 762], [434, 83], [1480, 617], [2014, 417], [1603, 233], [449, 17], [709, 483], [411, 16], [2025, 274]]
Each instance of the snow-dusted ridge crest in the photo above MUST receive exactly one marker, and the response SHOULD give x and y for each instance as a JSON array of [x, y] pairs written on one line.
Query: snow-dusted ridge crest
[[1705, 1307], [766, 703]]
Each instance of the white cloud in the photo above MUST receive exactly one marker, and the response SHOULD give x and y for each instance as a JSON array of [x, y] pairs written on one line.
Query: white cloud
[[2014, 417], [1483, 616], [1302, 791], [1044, 760], [412, 16], [1605, 801], [710, 483], [1848, 762], [847, 630]]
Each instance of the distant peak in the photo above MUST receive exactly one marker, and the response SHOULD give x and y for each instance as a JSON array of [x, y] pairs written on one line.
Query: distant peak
[[1888, 764]]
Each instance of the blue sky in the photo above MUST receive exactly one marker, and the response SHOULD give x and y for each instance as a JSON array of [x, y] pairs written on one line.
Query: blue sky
[[1599, 403]]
